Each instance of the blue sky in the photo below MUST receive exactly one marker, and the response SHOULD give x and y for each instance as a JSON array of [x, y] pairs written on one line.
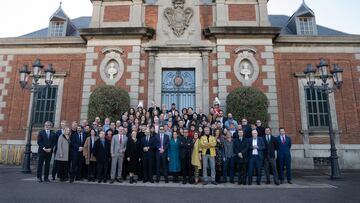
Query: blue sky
[[19, 17]]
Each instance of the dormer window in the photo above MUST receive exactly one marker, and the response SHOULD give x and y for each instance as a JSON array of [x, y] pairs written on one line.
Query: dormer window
[[57, 29], [306, 26]]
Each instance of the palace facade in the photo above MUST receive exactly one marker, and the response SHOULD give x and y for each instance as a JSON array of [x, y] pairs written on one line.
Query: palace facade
[[189, 52]]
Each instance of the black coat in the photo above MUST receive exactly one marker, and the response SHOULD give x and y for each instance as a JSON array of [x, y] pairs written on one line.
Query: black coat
[[185, 147], [151, 144], [241, 146], [102, 153], [44, 141], [133, 152], [270, 147]]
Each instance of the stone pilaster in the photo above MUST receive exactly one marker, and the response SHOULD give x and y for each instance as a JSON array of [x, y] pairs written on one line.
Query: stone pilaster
[[134, 80], [5, 69], [357, 57], [89, 81], [222, 70], [270, 82]]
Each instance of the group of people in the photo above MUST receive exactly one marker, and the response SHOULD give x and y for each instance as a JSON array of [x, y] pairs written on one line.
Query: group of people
[[159, 142]]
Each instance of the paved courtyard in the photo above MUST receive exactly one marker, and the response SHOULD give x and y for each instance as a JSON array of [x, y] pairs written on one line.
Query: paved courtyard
[[309, 186]]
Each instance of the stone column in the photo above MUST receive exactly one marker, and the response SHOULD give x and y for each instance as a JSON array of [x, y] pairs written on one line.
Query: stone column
[[151, 78], [136, 13], [5, 63], [263, 13], [221, 11], [205, 81], [95, 20]]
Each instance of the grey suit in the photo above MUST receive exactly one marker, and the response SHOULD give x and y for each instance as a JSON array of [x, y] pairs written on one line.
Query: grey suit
[[118, 153]]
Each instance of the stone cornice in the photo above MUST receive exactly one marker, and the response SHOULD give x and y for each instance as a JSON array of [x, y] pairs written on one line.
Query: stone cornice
[[269, 32], [48, 41], [316, 40], [88, 33]]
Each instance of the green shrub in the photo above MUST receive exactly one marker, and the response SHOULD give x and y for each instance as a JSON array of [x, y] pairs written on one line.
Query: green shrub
[[108, 101], [249, 103]]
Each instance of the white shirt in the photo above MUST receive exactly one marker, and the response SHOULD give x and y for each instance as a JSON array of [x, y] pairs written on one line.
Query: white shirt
[[254, 151]]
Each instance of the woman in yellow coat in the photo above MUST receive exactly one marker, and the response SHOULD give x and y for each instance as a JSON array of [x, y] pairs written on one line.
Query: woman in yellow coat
[[196, 156]]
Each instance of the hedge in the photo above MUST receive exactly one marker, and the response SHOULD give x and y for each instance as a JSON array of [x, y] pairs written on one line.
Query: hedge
[[108, 101], [249, 103]]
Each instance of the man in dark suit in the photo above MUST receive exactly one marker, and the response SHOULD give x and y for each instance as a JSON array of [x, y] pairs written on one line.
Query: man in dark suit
[[284, 155], [102, 154], [255, 156], [153, 108], [246, 128], [241, 147], [173, 109], [46, 142], [260, 128], [57, 135], [162, 144], [269, 156], [147, 146], [77, 159], [185, 156]]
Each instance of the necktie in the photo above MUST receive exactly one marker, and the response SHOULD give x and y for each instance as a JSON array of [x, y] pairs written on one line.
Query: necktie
[[47, 134], [147, 139], [283, 139], [103, 143], [161, 141], [120, 139], [268, 138], [81, 138]]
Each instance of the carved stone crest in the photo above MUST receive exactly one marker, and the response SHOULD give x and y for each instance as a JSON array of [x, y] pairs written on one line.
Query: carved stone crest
[[112, 66], [246, 67], [178, 17]]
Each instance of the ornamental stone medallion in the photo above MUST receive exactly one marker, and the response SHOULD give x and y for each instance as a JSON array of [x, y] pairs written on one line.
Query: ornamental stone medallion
[[178, 17], [112, 66], [246, 68]]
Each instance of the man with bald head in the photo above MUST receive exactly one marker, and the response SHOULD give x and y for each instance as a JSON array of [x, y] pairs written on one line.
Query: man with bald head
[[255, 156]]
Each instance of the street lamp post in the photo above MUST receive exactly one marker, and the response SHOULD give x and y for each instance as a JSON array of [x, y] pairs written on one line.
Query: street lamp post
[[336, 75], [34, 88]]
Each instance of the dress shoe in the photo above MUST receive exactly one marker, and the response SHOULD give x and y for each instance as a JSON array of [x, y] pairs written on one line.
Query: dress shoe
[[214, 183], [267, 182], [249, 183], [40, 180], [119, 180], [205, 183], [289, 181], [166, 180], [257, 183], [112, 181], [151, 181], [99, 181], [281, 181], [232, 181], [53, 178], [157, 181], [46, 180], [104, 181], [144, 181], [277, 183]]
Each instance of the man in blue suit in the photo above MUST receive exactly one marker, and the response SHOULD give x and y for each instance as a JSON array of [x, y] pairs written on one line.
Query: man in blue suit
[[147, 146], [162, 143], [256, 147], [46, 142], [284, 156], [77, 146]]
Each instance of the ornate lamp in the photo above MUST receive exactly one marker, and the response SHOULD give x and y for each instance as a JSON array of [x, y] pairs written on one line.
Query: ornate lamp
[[337, 75], [24, 75], [49, 74], [310, 75]]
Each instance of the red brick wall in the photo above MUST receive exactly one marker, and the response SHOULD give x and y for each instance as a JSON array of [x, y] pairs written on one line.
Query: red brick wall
[[151, 16], [17, 101], [347, 99], [117, 13], [206, 16], [242, 12]]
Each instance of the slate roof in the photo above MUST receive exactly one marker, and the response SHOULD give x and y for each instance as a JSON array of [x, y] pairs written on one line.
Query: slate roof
[[282, 20]]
